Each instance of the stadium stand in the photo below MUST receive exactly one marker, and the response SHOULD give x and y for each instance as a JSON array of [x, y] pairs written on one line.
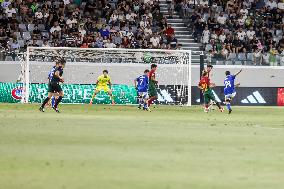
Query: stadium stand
[[229, 31], [237, 31], [86, 24]]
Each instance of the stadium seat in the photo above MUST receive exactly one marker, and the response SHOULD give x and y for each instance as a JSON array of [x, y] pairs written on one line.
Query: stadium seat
[[23, 27], [31, 27], [17, 58], [39, 42], [219, 62], [278, 58], [18, 35], [250, 56], [279, 32], [45, 34], [232, 56], [26, 36], [21, 43], [238, 62], [228, 62], [8, 58], [249, 60], [282, 63], [41, 27], [242, 57]]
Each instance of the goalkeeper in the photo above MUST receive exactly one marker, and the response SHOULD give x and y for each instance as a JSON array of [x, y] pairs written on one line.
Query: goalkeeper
[[103, 84]]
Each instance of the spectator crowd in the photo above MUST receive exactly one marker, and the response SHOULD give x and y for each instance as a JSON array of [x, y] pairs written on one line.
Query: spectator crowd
[[237, 29], [86, 24], [228, 29]]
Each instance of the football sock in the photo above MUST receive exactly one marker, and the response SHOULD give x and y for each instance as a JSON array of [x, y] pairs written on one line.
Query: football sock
[[218, 104], [111, 98], [228, 106], [140, 101], [45, 101], [52, 101], [57, 101], [145, 105], [150, 101]]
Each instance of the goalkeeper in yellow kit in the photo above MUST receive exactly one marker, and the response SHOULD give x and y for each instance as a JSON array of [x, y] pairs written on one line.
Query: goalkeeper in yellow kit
[[103, 84]]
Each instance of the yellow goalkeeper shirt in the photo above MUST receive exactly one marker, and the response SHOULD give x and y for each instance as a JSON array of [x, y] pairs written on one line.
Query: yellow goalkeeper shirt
[[103, 81]]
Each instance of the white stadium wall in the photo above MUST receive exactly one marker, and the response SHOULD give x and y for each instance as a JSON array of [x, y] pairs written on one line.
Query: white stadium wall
[[77, 74]]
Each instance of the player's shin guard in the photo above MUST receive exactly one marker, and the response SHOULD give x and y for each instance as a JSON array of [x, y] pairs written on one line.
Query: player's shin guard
[[45, 101], [58, 101]]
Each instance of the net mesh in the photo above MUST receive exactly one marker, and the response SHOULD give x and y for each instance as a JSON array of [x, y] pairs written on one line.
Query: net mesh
[[124, 65]]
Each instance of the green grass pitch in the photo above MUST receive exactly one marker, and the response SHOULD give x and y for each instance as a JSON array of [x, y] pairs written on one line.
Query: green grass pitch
[[119, 147]]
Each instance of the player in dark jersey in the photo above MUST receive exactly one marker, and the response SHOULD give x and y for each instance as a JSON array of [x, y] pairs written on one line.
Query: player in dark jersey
[[54, 86], [229, 88], [51, 102], [152, 85], [205, 86], [142, 84]]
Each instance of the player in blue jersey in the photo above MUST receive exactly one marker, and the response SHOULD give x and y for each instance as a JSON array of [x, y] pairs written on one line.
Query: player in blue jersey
[[50, 75], [142, 84], [229, 88]]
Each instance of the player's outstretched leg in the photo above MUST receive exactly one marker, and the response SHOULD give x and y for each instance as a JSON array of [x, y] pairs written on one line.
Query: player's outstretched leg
[[55, 107], [210, 96], [145, 98], [206, 108], [41, 108], [219, 106], [111, 97], [151, 100], [140, 101], [228, 104], [94, 96]]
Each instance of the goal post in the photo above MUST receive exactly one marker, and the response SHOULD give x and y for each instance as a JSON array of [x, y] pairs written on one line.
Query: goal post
[[84, 65]]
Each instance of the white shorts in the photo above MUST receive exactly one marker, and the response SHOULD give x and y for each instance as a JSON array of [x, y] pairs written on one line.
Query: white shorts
[[143, 95], [230, 96]]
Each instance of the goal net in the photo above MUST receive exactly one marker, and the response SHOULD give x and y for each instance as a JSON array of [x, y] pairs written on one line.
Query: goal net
[[84, 65]]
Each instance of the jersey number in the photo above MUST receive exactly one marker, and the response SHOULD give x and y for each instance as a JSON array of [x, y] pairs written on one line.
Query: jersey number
[[141, 81], [228, 84]]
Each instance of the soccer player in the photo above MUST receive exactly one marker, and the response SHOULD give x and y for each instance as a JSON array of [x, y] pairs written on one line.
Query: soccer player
[[152, 86], [103, 84], [54, 86], [141, 84], [205, 86], [208, 69], [51, 102], [229, 88]]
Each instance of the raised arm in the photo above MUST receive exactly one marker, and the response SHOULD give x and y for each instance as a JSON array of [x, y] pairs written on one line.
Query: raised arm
[[239, 72]]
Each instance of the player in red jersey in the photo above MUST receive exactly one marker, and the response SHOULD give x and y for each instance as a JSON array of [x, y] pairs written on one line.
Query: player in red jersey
[[208, 69], [205, 86], [152, 85]]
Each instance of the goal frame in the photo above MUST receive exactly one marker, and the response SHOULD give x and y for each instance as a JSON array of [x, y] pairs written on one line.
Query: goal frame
[[26, 87]]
